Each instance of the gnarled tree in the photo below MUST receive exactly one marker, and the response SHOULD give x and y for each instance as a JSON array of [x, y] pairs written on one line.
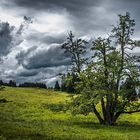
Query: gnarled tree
[[111, 80]]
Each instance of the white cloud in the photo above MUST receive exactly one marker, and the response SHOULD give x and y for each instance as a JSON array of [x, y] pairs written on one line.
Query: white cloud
[[51, 23]]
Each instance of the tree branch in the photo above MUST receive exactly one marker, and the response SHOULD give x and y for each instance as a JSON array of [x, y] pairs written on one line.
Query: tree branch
[[130, 112]]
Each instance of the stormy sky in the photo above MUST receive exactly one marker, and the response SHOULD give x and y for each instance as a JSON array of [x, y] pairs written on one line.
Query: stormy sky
[[31, 51]]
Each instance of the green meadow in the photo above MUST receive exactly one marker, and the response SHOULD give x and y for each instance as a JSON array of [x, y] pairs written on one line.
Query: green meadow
[[25, 116]]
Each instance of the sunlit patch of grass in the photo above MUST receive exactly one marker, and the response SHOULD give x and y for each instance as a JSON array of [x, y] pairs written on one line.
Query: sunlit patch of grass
[[24, 117]]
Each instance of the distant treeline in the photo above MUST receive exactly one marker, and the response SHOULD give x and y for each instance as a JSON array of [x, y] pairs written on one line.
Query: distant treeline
[[12, 83], [38, 85], [67, 84]]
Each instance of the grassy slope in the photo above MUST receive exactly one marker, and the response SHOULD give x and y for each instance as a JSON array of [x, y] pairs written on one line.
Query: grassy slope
[[26, 118]]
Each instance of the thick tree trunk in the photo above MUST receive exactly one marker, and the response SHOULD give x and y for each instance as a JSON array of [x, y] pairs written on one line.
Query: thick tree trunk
[[107, 119], [101, 121], [103, 108], [116, 116], [109, 113]]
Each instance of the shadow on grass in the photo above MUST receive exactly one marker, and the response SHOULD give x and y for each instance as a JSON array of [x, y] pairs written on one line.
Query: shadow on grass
[[4, 101], [123, 127]]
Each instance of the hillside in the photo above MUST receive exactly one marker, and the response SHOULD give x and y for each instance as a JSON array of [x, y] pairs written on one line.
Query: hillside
[[26, 117]]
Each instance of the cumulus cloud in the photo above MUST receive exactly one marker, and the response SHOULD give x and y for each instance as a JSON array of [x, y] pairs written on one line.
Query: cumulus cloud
[[5, 38], [10, 36], [27, 73], [46, 38], [34, 58]]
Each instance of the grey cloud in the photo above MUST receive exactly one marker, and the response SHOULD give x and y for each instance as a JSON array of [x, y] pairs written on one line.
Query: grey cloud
[[79, 11], [10, 37], [54, 56], [5, 38], [44, 75], [27, 73], [87, 16], [22, 56], [119, 7], [46, 38], [72, 5]]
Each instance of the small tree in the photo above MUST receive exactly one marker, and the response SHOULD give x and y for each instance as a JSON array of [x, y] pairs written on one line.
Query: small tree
[[68, 83], [111, 79], [57, 87], [76, 48], [129, 90], [12, 83], [1, 85]]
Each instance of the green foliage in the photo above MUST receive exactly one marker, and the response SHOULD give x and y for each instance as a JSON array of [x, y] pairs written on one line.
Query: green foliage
[[57, 87], [69, 82], [75, 48], [2, 87], [128, 89], [111, 78]]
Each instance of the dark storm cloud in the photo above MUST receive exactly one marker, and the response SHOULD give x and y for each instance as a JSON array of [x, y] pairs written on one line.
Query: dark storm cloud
[[79, 11], [47, 38], [22, 56], [52, 57], [80, 6], [27, 73], [71, 5], [46, 75], [85, 15], [5, 38]]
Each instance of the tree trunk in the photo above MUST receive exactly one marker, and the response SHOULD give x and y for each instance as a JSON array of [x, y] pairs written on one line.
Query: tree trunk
[[101, 121]]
